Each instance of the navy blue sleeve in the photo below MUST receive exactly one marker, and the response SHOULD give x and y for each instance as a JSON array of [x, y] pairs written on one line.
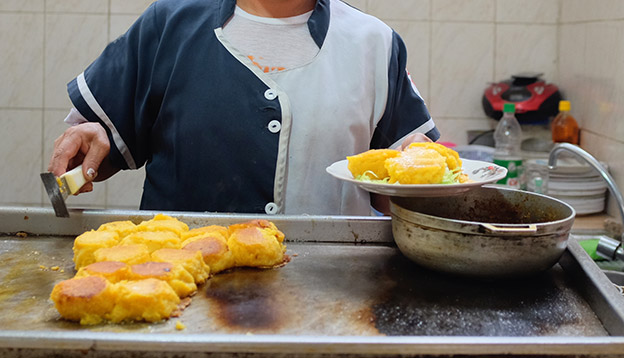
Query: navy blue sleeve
[[116, 90], [406, 111]]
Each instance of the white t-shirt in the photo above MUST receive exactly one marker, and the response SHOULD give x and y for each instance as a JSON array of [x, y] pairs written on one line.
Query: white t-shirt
[[272, 44]]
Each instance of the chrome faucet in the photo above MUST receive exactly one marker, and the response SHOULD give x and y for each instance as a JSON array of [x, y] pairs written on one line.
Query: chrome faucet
[[607, 247]]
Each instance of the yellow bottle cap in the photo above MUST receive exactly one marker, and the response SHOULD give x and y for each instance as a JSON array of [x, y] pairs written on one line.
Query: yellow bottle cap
[[564, 106]]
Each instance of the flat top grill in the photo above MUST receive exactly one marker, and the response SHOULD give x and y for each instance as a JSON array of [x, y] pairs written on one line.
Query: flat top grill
[[326, 289], [347, 290]]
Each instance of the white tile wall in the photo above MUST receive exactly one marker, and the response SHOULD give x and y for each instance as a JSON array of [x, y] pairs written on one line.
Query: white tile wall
[[528, 11], [605, 70], [584, 10], [523, 47], [455, 48], [125, 189], [53, 127], [465, 10], [22, 5], [572, 45], [462, 61], [413, 10], [20, 155], [21, 62], [72, 42], [129, 7], [77, 6], [358, 4], [455, 130]]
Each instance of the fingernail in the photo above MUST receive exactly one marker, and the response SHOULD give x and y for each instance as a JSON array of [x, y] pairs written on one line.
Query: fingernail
[[91, 173]]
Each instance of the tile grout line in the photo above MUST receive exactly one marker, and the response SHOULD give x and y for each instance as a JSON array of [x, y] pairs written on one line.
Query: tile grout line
[[108, 30], [558, 41], [495, 40], [43, 93], [430, 50]]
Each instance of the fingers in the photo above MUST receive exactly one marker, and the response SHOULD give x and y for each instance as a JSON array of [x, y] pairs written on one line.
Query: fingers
[[85, 144], [97, 151], [422, 138], [414, 138], [65, 149], [88, 187]]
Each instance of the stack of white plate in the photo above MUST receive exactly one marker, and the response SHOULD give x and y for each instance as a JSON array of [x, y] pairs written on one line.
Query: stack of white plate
[[576, 183]]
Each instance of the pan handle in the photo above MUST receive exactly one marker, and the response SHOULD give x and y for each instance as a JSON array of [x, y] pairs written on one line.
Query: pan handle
[[528, 229]]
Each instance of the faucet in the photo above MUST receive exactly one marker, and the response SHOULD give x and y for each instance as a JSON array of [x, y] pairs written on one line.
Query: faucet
[[608, 248]]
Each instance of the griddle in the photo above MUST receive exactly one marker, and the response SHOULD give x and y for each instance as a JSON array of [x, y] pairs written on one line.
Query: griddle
[[346, 291]]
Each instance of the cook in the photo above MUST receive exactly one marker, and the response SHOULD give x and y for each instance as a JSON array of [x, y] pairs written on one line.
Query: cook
[[238, 106]]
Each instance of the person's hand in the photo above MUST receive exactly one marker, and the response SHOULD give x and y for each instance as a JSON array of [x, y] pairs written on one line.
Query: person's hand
[[380, 202], [85, 144], [414, 138]]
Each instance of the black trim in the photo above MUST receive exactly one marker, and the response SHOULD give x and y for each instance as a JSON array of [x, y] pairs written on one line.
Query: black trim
[[226, 9], [318, 23]]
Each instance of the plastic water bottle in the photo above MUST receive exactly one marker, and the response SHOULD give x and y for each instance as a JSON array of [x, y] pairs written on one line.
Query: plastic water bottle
[[507, 139]]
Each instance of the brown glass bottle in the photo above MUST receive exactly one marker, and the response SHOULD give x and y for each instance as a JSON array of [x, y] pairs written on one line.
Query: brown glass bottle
[[564, 126]]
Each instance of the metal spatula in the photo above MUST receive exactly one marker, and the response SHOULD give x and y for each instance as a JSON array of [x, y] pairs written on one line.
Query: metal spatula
[[59, 188]]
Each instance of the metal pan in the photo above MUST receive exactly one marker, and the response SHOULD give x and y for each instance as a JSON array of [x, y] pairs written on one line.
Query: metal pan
[[488, 232]]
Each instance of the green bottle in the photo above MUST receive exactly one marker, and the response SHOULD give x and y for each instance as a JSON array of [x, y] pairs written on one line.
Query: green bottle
[[507, 153]]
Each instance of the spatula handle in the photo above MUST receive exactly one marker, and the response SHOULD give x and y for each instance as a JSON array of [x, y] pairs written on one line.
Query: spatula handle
[[75, 179]]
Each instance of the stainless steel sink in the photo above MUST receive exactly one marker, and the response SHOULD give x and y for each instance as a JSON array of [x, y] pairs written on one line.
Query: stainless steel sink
[[612, 268]]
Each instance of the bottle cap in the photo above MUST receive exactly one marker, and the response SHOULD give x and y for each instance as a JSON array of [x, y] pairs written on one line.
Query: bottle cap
[[509, 108], [564, 106]]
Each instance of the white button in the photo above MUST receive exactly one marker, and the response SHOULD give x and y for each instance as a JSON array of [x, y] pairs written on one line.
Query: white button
[[270, 208], [270, 94], [274, 126]]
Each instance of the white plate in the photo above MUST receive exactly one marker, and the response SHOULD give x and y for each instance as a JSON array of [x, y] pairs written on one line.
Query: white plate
[[584, 206], [479, 172]]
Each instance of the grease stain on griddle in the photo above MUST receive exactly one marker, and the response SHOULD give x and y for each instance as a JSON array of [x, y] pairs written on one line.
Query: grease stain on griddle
[[427, 303], [23, 261], [247, 300]]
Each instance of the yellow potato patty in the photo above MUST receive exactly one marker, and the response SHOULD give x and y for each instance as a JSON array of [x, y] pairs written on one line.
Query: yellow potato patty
[[128, 272], [417, 166], [371, 163], [89, 242]]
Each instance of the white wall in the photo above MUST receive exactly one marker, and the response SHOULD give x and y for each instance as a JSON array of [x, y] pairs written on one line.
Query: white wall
[[591, 70]]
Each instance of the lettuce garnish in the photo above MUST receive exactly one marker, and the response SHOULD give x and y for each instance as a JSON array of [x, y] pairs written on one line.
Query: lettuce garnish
[[450, 177], [365, 178]]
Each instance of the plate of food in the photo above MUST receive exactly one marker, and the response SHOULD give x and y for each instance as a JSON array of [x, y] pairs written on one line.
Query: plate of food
[[421, 170]]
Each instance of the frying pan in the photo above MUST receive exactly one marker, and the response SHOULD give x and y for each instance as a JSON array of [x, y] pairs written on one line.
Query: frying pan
[[489, 232]]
